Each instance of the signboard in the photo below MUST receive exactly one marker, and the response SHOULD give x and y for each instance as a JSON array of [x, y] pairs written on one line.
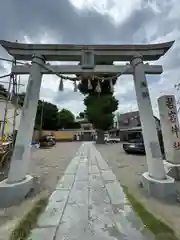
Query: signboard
[[173, 118]]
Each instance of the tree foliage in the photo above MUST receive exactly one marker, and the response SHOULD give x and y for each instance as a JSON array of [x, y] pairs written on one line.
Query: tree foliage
[[100, 110], [49, 114], [66, 120], [99, 106], [52, 118]]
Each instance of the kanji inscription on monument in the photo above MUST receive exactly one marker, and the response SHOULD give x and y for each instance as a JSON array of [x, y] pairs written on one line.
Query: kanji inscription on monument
[[172, 114]]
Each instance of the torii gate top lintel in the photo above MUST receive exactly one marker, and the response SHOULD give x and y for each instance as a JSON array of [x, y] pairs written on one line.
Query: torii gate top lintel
[[73, 52]]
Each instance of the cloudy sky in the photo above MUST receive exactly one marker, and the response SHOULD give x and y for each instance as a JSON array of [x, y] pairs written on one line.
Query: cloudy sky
[[101, 22]]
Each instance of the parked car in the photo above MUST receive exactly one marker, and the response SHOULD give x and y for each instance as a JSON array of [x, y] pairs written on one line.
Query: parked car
[[137, 145], [53, 138], [47, 141], [134, 146]]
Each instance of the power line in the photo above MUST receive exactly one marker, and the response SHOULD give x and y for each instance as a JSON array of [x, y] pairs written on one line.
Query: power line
[[10, 60], [19, 84], [6, 75]]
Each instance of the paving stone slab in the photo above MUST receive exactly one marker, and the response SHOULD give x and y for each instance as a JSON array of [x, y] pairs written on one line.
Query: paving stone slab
[[52, 214], [93, 161], [125, 218], [66, 182], [80, 185], [95, 181], [43, 233], [101, 218], [59, 195], [74, 224], [130, 230], [92, 158], [97, 191], [102, 214], [93, 169], [102, 164], [78, 196], [98, 196], [116, 193], [82, 172], [108, 175], [72, 167]]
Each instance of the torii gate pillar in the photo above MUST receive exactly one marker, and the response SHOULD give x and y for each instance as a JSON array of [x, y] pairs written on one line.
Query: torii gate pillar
[[18, 184], [155, 180]]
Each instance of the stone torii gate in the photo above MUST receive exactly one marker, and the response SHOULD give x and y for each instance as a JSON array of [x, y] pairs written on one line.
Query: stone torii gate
[[18, 183]]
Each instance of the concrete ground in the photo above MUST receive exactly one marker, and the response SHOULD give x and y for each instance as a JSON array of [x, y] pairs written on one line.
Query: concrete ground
[[128, 170], [47, 166], [89, 203]]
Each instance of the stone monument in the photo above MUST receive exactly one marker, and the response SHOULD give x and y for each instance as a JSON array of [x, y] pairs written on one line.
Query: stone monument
[[171, 134]]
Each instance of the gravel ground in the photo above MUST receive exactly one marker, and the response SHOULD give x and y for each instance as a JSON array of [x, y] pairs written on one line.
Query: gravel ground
[[47, 166], [128, 170]]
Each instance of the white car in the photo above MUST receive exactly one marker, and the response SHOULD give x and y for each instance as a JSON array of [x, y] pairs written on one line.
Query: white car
[[111, 140]]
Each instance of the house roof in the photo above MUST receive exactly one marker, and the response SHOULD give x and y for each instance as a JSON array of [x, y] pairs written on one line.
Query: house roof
[[130, 116]]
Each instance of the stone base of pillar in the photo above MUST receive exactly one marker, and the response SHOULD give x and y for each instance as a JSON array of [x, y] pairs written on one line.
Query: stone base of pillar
[[172, 170], [12, 194], [162, 189]]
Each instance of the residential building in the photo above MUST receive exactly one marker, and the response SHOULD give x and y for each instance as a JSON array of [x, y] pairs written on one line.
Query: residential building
[[9, 116], [128, 126], [86, 132]]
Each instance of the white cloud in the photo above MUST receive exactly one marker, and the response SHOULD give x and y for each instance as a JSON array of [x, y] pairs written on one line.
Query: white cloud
[[119, 11], [150, 21]]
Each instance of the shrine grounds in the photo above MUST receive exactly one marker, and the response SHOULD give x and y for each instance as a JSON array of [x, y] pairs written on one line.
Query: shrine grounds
[[128, 170], [48, 166]]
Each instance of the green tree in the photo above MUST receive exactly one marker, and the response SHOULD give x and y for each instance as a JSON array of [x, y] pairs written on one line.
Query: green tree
[[100, 110], [66, 119], [100, 106], [49, 114], [45, 110]]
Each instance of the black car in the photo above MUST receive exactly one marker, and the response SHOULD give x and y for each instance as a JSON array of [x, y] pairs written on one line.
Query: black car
[[134, 146], [137, 145]]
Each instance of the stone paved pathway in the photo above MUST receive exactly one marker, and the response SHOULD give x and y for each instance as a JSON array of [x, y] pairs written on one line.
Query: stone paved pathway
[[89, 203]]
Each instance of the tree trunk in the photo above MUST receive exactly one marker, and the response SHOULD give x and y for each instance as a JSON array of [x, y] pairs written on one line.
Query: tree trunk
[[100, 137]]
